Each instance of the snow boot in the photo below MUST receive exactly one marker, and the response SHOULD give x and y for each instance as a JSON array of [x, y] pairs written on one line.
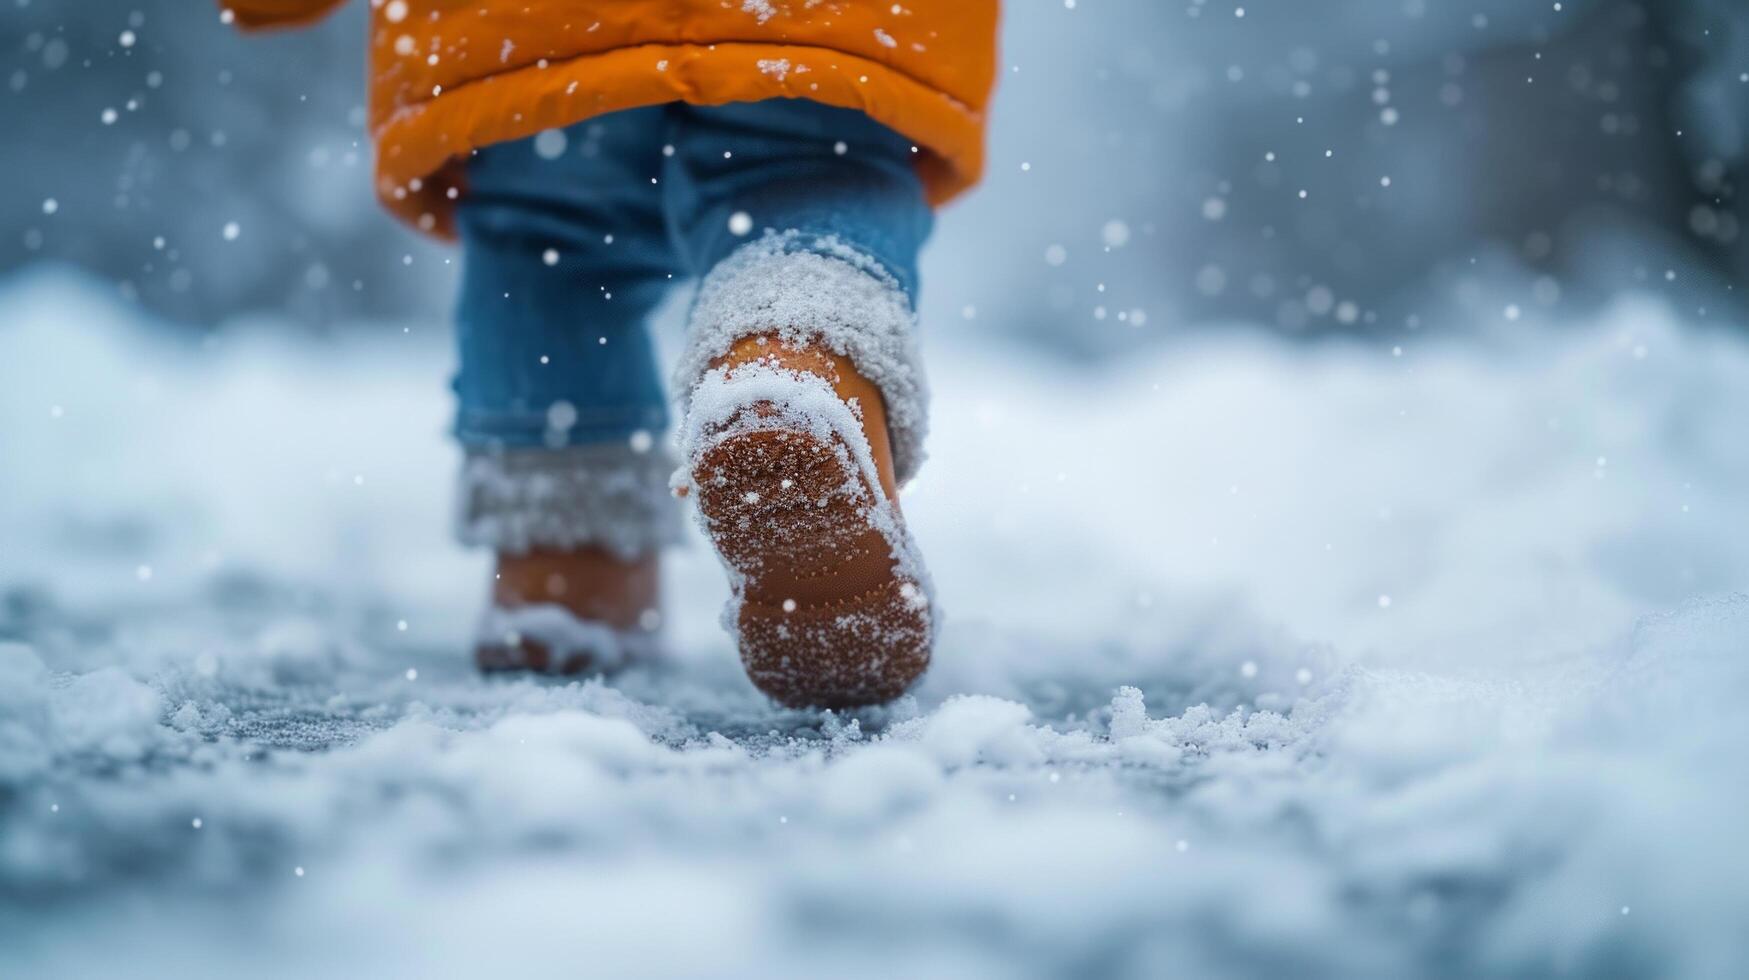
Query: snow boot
[[570, 612], [787, 453]]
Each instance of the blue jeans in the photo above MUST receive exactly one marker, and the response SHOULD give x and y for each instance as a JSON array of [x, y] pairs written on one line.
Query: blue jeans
[[569, 244]]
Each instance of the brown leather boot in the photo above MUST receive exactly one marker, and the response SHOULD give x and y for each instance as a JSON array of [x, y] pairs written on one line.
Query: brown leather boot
[[570, 612], [792, 470]]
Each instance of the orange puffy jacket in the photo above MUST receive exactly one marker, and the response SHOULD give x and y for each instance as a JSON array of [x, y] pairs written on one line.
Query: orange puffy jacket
[[448, 76]]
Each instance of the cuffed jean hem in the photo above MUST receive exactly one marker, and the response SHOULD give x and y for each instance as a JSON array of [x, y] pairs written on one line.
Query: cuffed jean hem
[[613, 496], [561, 425]]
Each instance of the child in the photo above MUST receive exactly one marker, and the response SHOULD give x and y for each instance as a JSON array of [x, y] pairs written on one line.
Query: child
[[589, 152]]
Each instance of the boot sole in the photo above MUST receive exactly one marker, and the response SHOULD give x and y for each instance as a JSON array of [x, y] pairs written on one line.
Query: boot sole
[[826, 615], [547, 639]]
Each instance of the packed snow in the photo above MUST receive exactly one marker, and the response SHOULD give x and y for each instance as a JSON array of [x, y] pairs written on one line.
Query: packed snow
[[1315, 660]]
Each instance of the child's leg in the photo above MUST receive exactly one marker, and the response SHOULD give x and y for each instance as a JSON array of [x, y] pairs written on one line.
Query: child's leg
[[805, 390], [776, 183], [561, 405]]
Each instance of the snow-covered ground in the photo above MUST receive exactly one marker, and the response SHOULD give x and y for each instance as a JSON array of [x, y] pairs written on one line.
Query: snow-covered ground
[[1310, 661]]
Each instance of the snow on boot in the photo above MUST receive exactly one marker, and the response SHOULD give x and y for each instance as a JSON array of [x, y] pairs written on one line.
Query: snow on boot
[[787, 454], [575, 612]]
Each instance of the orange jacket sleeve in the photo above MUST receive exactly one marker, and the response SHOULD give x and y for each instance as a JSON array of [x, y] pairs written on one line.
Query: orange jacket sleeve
[[258, 14]]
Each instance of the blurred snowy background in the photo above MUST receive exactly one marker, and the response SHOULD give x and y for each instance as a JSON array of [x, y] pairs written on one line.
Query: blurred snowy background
[[1338, 500]]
